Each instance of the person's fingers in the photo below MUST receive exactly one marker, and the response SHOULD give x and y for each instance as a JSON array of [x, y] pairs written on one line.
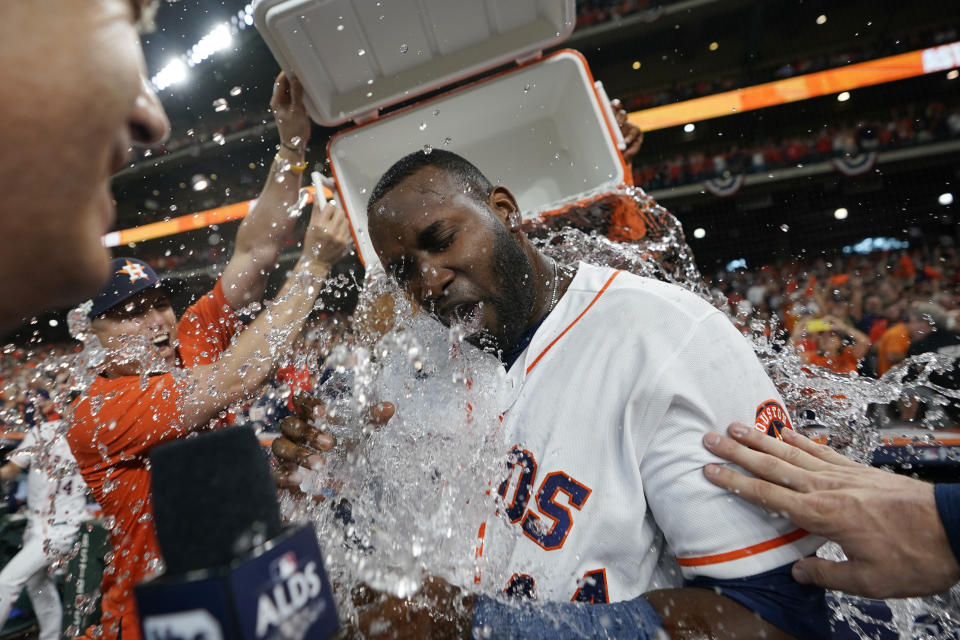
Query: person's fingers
[[281, 90], [286, 450], [848, 576], [308, 407], [381, 413], [761, 463], [301, 433], [760, 492], [296, 93], [288, 476], [821, 451], [759, 441]]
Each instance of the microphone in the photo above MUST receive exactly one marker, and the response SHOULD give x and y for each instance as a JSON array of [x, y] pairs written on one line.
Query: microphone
[[232, 569]]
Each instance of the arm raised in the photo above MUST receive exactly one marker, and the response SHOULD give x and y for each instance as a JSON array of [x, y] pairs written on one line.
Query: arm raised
[[246, 364]]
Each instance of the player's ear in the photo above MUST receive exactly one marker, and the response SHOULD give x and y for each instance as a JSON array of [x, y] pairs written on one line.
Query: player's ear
[[502, 202]]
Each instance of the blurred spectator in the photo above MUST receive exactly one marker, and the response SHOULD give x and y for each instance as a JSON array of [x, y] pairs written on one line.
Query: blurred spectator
[[831, 343], [903, 127], [892, 347], [928, 323]]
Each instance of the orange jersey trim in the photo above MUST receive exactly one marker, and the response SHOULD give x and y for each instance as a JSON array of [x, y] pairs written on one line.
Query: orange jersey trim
[[575, 321], [699, 561]]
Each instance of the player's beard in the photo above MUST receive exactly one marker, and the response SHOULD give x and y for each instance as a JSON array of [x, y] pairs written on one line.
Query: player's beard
[[515, 294]]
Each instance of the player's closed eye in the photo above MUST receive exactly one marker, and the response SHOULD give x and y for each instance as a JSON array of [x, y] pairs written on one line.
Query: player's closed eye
[[442, 241]]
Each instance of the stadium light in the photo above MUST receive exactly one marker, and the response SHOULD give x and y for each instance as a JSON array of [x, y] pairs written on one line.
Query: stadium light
[[220, 38], [841, 213], [199, 182], [689, 127], [843, 96], [946, 199], [821, 19], [217, 40], [953, 74], [175, 72], [699, 233]]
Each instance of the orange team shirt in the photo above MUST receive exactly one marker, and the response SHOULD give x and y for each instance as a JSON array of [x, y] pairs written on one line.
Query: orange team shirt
[[115, 425], [896, 339], [844, 362]]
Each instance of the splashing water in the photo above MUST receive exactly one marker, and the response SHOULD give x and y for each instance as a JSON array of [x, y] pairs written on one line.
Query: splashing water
[[405, 500], [303, 197]]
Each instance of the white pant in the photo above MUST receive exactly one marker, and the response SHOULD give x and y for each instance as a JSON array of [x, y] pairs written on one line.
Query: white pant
[[29, 569]]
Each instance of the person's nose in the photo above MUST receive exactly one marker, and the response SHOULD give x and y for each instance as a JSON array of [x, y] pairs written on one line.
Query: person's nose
[[156, 320], [148, 122], [434, 279]]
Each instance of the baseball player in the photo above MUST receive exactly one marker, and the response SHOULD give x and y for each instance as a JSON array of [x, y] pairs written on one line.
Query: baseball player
[[201, 364], [614, 379], [56, 502]]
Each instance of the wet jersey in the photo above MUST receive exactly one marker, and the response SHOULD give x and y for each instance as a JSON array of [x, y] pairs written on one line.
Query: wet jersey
[[56, 494], [605, 496], [115, 425]]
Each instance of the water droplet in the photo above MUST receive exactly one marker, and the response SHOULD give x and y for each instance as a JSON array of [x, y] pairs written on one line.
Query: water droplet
[[219, 138], [339, 27], [220, 104], [361, 52], [436, 112], [295, 141], [447, 141], [404, 48], [236, 91], [423, 125], [784, 228], [427, 149]]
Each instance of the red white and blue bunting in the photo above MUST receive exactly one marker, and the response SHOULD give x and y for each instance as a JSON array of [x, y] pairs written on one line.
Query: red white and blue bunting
[[724, 187], [855, 165]]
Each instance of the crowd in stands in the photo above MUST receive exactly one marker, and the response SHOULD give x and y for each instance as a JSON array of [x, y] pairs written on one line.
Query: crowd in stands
[[857, 314], [903, 127], [591, 12], [26, 387]]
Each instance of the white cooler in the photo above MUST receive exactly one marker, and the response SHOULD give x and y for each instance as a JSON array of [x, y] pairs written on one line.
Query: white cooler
[[544, 128]]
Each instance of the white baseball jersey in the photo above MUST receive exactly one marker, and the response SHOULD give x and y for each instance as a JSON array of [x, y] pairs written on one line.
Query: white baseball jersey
[[56, 492], [608, 407]]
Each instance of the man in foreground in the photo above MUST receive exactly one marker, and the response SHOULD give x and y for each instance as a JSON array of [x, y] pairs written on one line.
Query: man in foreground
[[614, 380], [73, 99]]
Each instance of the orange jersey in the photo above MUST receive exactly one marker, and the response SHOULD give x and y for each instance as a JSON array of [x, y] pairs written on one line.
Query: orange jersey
[[895, 340], [115, 425]]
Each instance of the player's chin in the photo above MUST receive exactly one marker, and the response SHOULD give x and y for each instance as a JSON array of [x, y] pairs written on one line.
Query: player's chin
[[84, 270]]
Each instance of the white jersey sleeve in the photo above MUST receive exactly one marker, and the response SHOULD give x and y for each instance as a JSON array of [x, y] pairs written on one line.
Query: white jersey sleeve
[[24, 454], [712, 379]]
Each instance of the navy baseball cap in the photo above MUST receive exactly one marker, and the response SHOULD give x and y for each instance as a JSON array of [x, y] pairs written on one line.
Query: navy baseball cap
[[129, 277]]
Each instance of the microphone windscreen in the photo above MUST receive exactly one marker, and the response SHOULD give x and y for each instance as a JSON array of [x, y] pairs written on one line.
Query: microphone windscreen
[[211, 492]]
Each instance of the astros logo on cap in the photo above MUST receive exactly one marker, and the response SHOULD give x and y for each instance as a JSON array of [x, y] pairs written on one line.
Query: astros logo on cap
[[134, 270]]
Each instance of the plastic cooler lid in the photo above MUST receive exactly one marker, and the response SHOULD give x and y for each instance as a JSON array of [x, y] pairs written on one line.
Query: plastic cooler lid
[[355, 57]]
